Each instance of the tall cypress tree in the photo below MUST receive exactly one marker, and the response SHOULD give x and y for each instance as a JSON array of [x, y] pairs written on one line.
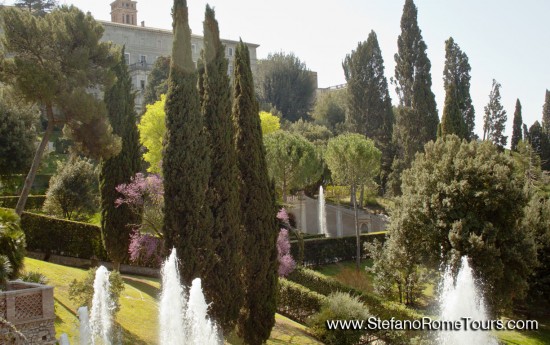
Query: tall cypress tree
[[223, 286], [369, 102], [116, 222], [186, 162], [457, 73], [516, 131], [257, 209], [546, 113], [494, 122], [452, 121], [413, 79]]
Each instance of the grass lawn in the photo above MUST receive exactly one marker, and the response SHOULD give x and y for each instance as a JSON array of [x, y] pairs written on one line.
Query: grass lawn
[[137, 319]]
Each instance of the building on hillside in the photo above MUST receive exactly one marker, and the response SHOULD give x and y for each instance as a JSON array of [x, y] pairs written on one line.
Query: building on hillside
[[143, 45]]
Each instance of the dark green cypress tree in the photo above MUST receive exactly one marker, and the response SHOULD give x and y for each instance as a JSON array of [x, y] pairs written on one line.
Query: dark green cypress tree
[[223, 287], [546, 113], [186, 162], [452, 121], [413, 79], [545, 155], [257, 209], [369, 102], [516, 131], [116, 222], [494, 122], [457, 72]]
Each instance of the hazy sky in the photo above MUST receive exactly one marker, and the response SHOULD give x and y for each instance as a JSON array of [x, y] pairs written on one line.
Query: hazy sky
[[505, 40]]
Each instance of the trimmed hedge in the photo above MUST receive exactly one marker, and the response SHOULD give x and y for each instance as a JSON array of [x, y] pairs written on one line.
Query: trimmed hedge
[[322, 251], [34, 202], [298, 302], [319, 283], [62, 237]]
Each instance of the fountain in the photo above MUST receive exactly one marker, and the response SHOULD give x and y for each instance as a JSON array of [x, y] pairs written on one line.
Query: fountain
[[322, 213], [102, 305], [85, 336], [172, 304], [462, 300], [202, 329]]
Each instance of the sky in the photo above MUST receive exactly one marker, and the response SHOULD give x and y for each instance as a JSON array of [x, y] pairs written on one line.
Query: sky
[[505, 40]]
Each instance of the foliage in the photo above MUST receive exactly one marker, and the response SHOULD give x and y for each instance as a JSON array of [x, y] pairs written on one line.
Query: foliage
[[339, 306], [17, 136], [291, 161], [314, 133], [319, 283], [62, 237], [546, 112], [461, 199], [452, 121], [157, 80], [152, 129], [144, 196], [37, 7], [528, 167], [145, 249], [286, 262], [52, 61], [494, 121], [330, 108], [284, 81], [73, 190], [34, 277], [456, 76], [516, 130], [257, 208], [369, 103], [298, 302], [223, 284], [117, 220], [82, 292], [12, 245], [186, 161], [270, 123], [35, 202]]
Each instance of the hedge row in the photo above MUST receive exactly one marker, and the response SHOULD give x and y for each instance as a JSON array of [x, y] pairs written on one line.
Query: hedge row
[[34, 202], [322, 251], [62, 237], [298, 302], [319, 283]]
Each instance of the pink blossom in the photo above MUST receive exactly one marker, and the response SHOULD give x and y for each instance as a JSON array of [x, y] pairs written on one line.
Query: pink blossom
[[282, 215], [286, 262]]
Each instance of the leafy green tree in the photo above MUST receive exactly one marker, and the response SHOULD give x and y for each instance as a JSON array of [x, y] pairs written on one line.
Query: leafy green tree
[[223, 286], [546, 112], [545, 155], [285, 82], [456, 74], [53, 61], [330, 108], [354, 161], [117, 221], [152, 129], [369, 102], [516, 132], [186, 161], [18, 126], [157, 81], [291, 161], [452, 121], [528, 166], [494, 122], [257, 209], [540, 141], [459, 199], [12, 245], [73, 190], [37, 7], [413, 80], [317, 134], [270, 123]]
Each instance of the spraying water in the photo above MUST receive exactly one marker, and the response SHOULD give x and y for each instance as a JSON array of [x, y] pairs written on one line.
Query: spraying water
[[102, 305], [322, 213], [172, 330], [203, 331], [85, 335], [64, 339], [462, 300]]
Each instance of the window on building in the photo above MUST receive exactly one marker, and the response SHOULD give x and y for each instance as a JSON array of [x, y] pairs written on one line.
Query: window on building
[[127, 19], [143, 59], [230, 69], [194, 48], [229, 51], [123, 19], [142, 84], [127, 58]]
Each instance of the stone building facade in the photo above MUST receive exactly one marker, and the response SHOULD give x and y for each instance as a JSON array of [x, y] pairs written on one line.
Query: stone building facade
[[143, 45]]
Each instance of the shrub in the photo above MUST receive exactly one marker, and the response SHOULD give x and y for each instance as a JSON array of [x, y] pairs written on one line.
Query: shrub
[[145, 249], [319, 283], [286, 262], [82, 292], [58, 236], [339, 306], [34, 202], [12, 245], [34, 277], [298, 302]]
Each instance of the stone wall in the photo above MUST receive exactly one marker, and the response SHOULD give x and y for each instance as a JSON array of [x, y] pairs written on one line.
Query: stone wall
[[30, 308]]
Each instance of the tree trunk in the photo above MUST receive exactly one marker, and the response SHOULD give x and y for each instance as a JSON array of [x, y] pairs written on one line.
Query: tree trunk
[[284, 192], [358, 238], [35, 164], [361, 196]]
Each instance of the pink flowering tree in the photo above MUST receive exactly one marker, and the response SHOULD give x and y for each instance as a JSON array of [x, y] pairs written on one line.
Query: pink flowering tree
[[286, 262], [144, 195]]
